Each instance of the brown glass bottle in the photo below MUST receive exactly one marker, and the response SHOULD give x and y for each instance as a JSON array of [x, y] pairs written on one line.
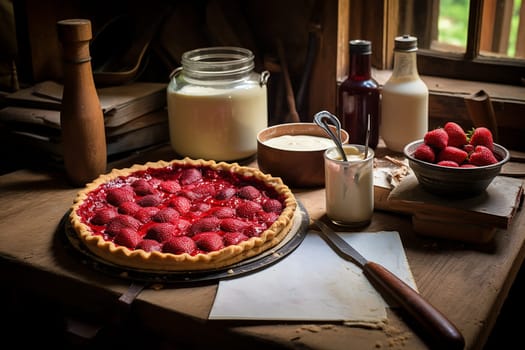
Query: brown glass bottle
[[81, 117], [359, 96]]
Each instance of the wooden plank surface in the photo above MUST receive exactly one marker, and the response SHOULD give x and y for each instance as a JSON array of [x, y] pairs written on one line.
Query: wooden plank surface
[[468, 283], [496, 206], [472, 219]]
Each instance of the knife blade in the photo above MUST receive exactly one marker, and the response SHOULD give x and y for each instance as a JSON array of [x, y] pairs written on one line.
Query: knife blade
[[437, 326]]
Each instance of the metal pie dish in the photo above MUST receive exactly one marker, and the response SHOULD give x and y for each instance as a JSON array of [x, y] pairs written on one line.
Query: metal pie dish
[[451, 181]]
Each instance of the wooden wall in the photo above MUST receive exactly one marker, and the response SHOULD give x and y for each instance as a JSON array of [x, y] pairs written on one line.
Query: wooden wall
[[313, 33]]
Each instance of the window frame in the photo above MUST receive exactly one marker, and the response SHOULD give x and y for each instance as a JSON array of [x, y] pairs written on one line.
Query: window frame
[[471, 65], [451, 78]]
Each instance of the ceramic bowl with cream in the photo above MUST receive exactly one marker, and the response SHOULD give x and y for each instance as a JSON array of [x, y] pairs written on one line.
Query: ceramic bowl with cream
[[294, 152]]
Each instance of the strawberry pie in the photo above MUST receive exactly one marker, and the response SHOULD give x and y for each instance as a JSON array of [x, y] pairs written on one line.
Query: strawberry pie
[[182, 215]]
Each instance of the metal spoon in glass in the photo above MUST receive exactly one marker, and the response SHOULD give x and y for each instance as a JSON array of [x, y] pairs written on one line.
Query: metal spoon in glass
[[367, 135], [320, 119]]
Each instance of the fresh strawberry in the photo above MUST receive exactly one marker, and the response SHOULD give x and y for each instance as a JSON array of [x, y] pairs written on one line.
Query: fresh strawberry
[[161, 232], [233, 225], [102, 216], [468, 148], [224, 212], [210, 223], [448, 163], [119, 195], [179, 245], [225, 193], [272, 206], [170, 186], [189, 176], [142, 187], [467, 165], [208, 241], [181, 204], [167, 214], [425, 153], [127, 237], [437, 138], [249, 192], [128, 208], [248, 209], [482, 136], [452, 153], [149, 200], [482, 156], [145, 214], [149, 245], [456, 135], [121, 221], [232, 238]]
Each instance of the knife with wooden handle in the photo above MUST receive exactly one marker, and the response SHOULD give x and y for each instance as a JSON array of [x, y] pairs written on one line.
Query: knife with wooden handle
[[427, 316]]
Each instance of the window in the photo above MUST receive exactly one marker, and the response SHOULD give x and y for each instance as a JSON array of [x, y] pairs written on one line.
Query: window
[[480, 40], [499, 73]]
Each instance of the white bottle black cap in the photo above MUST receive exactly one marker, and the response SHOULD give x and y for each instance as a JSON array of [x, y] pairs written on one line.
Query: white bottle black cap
[[406, 43]]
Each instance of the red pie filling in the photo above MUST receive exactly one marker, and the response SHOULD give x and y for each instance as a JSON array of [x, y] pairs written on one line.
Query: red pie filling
[[181, 209]]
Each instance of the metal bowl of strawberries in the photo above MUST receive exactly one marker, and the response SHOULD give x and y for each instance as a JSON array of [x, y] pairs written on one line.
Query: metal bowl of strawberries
[[451, 162]]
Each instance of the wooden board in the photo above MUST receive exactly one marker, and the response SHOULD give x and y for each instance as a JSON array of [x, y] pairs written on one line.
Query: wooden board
[[474, 219]]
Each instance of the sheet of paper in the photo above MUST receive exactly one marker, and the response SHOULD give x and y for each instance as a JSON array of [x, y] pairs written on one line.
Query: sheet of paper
[[313, 283]]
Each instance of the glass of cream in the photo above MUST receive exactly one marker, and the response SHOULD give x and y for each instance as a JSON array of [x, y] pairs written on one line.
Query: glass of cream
[[349, 186]]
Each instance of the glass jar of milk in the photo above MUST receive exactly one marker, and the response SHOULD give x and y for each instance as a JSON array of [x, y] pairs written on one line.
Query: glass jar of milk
[[217, 104]]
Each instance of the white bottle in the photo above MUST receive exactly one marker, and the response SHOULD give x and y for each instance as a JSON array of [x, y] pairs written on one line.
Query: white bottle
[[404, 100]]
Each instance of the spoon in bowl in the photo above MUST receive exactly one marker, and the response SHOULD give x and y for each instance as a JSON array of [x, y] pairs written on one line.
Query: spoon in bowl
[[320, 120]]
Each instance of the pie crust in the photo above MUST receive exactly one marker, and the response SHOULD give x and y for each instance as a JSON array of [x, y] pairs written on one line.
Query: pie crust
[[263, 230]]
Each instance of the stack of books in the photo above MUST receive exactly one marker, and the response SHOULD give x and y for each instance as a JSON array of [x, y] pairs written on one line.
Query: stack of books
[[135, 117]]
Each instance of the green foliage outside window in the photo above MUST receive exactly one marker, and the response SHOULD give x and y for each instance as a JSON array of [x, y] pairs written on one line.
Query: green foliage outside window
[[453, 23]]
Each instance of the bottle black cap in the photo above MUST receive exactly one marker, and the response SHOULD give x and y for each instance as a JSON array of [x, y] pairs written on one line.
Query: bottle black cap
[[363, 47], [406, 43]]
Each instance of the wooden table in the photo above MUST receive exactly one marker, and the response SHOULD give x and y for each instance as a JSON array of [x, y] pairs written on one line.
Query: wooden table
[[468, 283]]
